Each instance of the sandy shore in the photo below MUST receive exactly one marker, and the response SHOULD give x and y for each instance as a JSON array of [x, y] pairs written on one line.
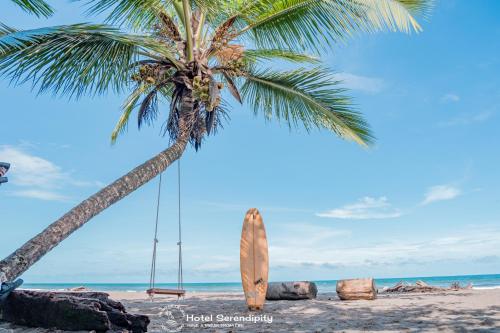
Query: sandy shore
[[460, 311]]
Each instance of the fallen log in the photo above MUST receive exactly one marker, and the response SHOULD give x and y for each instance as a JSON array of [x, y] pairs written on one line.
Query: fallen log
[[356, 289], [291, 291], [71, 311], [422, 287]]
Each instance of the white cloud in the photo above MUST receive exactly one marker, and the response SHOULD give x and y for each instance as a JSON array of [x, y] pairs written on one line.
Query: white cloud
[[450, 97], [40, 194], [440, 193], [362, 83], [467, 119], [466, 244], [29, 170], [39, 178], [365, 208]]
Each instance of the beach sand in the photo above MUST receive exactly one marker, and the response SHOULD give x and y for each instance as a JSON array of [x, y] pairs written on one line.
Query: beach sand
[[455, 311]]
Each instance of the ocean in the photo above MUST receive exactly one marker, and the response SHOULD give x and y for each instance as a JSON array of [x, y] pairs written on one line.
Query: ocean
[[490, 281]]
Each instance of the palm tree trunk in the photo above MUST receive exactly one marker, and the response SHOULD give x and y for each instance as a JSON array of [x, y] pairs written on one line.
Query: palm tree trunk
[[23, 258]]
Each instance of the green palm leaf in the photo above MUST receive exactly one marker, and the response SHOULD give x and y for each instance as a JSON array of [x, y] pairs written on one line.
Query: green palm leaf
[[130, 104], [278, 54], [4, 30], [133, 101], [137, 14], [74, 59], [36, 7], [307, 96], [305, 24], [395, 14]]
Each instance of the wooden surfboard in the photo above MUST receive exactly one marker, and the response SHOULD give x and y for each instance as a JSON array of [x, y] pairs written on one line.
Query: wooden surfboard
[[254, 260]]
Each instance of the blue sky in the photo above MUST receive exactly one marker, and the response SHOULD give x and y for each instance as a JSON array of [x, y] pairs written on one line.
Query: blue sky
[[423, 201]]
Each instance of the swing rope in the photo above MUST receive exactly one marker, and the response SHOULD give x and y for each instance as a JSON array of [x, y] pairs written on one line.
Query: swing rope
[[179, 243], [152, 278]]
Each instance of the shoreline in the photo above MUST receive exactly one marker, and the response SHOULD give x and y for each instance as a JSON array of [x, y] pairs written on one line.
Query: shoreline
[[229, 292], [478, 281]]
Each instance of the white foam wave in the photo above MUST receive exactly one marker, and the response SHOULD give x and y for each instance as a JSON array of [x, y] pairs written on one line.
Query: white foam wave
[[485, 288]]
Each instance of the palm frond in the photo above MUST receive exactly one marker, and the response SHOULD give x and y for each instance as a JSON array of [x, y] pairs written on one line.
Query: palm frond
[[278, 54], [395, 14], [166, 92], [169, 28], [418, 7], [5, 30], [306, 96], [128, 106], [35, 7], [311, 24], [216, 11], [148, 110], [232, 87], [75, 59], [138, 14]]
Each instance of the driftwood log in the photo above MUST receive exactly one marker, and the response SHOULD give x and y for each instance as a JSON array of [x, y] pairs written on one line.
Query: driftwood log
[[421, 287], [356, 289], [291, 291], [71, 311]]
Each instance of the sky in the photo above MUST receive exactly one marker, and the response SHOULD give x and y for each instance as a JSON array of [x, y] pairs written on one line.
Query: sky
[[424, 201]]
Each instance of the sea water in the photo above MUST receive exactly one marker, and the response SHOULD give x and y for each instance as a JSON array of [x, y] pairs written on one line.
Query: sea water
[[489, 281]]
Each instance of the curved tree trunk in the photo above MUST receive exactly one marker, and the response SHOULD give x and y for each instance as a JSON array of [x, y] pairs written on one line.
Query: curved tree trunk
[[19, 261]]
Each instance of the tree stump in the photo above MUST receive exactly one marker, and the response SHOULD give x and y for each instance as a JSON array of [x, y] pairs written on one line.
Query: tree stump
[[71, 311], [356, 289], [291, 291]]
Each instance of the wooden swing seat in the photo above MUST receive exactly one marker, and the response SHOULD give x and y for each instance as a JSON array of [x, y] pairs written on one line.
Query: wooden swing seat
[[160, 291]]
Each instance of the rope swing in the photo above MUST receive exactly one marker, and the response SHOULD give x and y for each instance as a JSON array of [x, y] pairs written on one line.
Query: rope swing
[[152, 277]]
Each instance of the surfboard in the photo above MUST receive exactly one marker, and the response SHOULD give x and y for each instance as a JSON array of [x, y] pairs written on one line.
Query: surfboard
[[254, 260]]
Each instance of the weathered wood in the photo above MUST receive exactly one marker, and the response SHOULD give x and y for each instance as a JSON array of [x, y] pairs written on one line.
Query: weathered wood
[[421, 287], [356, 289], [71, 311], [164, 291], [291, 291]]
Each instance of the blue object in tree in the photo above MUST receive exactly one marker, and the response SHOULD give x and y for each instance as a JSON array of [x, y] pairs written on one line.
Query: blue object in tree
[[8, 287], [4, 167]]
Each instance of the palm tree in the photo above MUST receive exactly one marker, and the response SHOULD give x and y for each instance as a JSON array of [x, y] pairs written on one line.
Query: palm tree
[[185, 53]]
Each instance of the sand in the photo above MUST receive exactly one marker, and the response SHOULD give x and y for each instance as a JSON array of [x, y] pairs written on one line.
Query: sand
[[458, 311]]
